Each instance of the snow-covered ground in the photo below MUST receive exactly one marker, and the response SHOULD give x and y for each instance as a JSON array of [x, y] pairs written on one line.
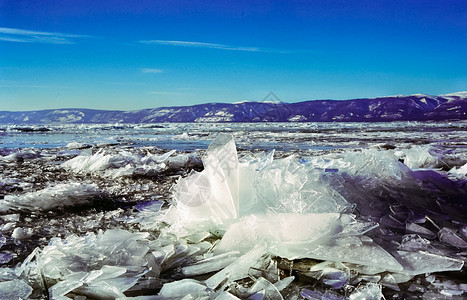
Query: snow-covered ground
[[267, 211]]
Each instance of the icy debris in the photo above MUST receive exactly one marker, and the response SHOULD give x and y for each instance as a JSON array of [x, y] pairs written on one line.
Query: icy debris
[[116, 165], [264, 289], [22, 233], [354, 251], [76, 145], [286, 185], [10, 218], [104, 264], [54, 197], [22, 155], [459, 172], [366, 163], [2, 240], [232, 224], [370, 291], [238, 269], [309, 294], [333, 274], [448, 288], [417, 157]]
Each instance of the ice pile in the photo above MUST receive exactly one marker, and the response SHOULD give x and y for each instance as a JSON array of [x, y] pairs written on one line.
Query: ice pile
[[260, 228], [228, 189], [21, 155], [115, 165], [294, 209], [125, 163], [53, 197]]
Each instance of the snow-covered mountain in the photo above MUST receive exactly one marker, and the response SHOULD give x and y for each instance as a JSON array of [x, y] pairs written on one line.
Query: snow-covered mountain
[[392, 108]]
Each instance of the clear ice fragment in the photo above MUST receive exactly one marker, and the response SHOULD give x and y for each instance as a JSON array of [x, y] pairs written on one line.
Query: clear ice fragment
[[420, 230], [64, 287], [181, 288], [211, 264], [450, 237], [264, 289], [14, 289], [370, 291], [284, 283], [239, 268], [371, 255], [390, 282], [419, 262]]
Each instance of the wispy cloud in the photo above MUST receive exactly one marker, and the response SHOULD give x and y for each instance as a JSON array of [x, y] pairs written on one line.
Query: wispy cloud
[[30, 36], [203, 45], [151, 71]]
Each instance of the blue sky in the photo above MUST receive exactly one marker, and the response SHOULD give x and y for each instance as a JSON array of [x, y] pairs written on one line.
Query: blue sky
[[134, 54]]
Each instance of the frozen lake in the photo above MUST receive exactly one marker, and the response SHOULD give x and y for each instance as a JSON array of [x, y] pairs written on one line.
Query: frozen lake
[[267, 136], [268, 210]]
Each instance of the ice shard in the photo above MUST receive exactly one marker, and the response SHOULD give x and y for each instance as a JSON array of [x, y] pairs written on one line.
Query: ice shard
[[53, 197], [419, 262], [210, 196], [238, 269]]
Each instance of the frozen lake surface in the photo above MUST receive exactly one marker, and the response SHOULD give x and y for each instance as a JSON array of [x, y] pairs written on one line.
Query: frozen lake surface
[[234, 210], [266, 136]]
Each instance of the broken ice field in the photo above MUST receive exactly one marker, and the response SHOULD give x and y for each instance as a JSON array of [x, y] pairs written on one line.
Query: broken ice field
[[370, 219]]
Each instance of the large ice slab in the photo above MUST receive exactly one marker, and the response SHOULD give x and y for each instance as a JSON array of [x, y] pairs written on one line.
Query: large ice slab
[[280, 232]]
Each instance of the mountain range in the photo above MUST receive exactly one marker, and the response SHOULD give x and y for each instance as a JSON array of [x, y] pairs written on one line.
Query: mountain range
[[417, 107]]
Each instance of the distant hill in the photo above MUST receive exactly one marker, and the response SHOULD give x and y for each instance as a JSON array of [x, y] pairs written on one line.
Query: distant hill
[[394, 108]]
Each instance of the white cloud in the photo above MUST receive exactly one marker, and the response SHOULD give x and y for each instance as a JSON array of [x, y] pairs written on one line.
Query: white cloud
[[30, 36], [202, 45], [151, 71]]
